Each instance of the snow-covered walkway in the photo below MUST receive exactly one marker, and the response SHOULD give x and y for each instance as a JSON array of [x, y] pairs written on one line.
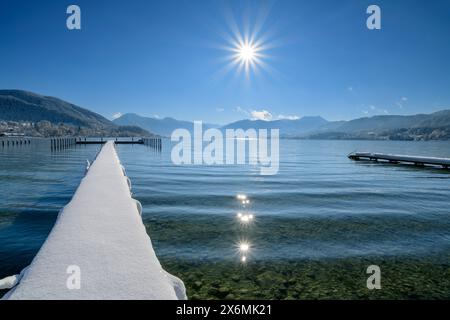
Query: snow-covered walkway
[[99, 244]]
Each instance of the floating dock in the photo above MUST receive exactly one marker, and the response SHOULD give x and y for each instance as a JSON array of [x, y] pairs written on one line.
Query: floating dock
[[401, 159], [98, 247], [154, 142], [103, 141]]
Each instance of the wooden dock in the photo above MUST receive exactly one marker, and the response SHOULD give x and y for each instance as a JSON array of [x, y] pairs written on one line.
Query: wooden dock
[[151, 141], [101, 141], [401, 159]]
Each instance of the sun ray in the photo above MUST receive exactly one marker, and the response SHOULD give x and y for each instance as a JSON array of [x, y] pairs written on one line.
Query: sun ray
[[248, 44], [247, 55]]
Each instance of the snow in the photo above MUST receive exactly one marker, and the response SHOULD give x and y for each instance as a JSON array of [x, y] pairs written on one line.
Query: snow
[[9, 282], [101, 232], [403, 158]]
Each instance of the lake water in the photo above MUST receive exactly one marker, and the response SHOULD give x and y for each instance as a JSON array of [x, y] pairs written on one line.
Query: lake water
[[317, 224]]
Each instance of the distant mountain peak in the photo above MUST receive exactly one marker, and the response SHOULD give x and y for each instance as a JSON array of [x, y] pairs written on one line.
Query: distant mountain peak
[[162, 126]]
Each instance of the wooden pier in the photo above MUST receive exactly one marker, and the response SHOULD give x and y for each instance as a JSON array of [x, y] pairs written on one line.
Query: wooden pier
[[401, 159], [140, 141], [151, 141], [103, 141]]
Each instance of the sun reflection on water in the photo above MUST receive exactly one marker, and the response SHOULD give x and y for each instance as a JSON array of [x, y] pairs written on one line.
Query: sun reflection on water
[[245, 218], [241, 197], [244, 247]]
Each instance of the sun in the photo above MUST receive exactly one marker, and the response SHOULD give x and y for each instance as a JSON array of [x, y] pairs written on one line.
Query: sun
[[247, 55], [249, 44], [246, 52]]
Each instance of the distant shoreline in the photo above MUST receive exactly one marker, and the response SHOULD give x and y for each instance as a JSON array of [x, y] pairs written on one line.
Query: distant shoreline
[[167, 137]]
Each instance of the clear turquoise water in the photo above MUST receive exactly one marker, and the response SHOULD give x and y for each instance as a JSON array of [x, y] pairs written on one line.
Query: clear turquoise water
[[320, 206], [35, 184]]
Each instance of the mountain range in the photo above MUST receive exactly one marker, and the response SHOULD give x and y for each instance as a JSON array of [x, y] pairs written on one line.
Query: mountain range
[[297, 127], [161, 126], [165, 126], [434, 126], [387, 127], [34, 114], [53, 116]]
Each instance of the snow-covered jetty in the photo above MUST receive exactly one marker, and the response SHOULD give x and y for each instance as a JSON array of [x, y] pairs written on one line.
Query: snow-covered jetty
[[98, 248], [402, 159]]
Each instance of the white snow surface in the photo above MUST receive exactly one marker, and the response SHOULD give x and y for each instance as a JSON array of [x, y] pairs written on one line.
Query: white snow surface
[[101, 232]]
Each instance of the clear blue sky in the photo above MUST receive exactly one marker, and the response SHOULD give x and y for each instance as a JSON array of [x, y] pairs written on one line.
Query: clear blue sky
[[166, 58]]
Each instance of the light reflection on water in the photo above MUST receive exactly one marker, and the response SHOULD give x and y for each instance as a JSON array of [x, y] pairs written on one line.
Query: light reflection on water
[[245, 219]]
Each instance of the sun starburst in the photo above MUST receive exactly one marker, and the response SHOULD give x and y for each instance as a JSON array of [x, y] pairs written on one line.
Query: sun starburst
[[247, 55], [250, 42]]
